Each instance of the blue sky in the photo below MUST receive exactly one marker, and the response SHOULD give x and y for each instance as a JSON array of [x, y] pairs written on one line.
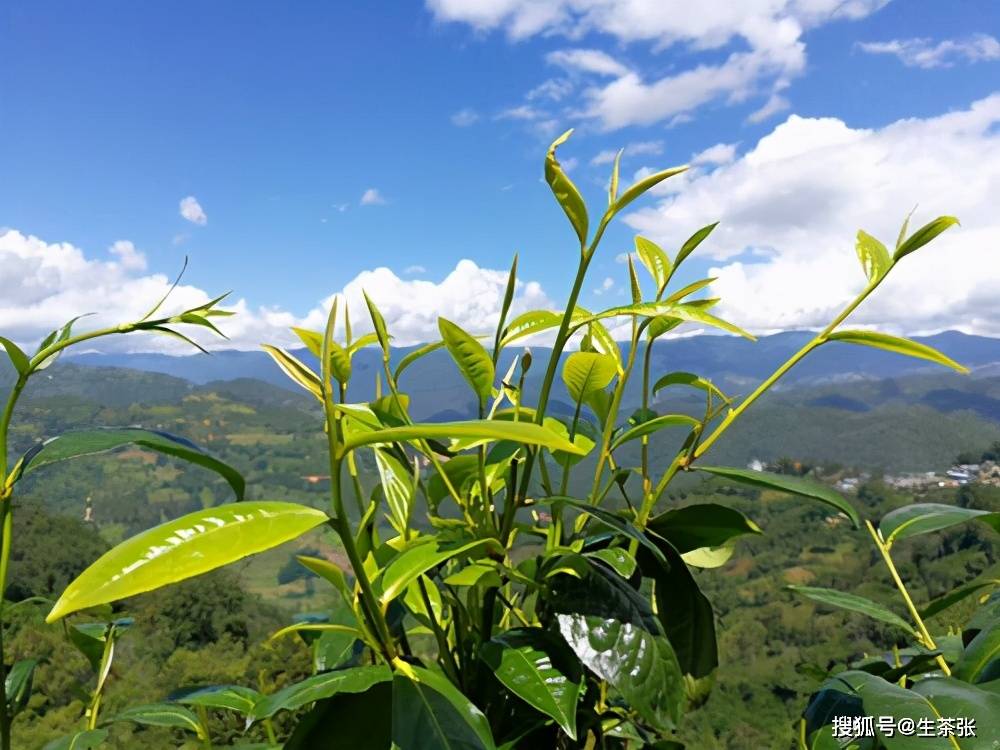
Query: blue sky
[[277, 118]]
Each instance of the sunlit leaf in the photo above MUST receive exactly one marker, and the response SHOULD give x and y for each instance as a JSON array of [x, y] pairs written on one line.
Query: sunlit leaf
[[484, 429], [473, 360], [854, 603], [295, 370], [185, 547], [688, 379], [231, 697], [101, 439], [692, 243], [421, 558], [429, 713], [565, 191], [162, 715], [925, 234], [353, 680], [655, 260], [924, 518], [641, 186], [586, 372], [17, 357], [897, 345], [873, 255]]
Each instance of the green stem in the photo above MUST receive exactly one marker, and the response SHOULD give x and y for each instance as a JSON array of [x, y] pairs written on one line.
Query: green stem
[[816, 341], [925, 635]]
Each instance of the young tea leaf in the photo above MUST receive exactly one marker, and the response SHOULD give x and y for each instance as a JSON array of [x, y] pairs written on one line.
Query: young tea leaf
[[854, 603], [925, 234], [586, 372], [655, 260], [897, 345], [924, 518], [873, 255], [565, 191], [473, 360]]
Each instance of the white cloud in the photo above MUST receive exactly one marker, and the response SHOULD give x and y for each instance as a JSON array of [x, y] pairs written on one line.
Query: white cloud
[[720, 153], [341, 207], [42, 284], [372, 197], [587, 61], [790, 208], [776, 103], [633, 149], [129, 257], [767, 33], [192, 211], [464, 118], [606, 286], [924, 53], [523, 112], [414, 269], [554, 89]]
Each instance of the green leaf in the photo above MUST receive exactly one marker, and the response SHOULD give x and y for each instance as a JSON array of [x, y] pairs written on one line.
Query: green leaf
[[687, 619], [691, 313], [980, 661], [613, 184], [398, 486], [642, 186], [608, 518], [854, 603], [352, 720], [528, 433], [953, 698], [472, 359], [329, 572], [925, 234], [17, 357], [162, 715], [692, 242], [655, 260], [792, 485], [87, 740], [378, 322], [429, 713], [586, 372], [924, 518], [528, 324], [340, 360], [897, 345], [419, 559], [539, 668], [691, 380], [651, 426], [295, 370], [230, 697], [183, 548], [633, 281], [98, 440], [687, 291], [616, 558], [508, 298], [703, 525], [873, 255], [953, 597], [317, 687], [565, 191], [17, 685], [641, 666], [415, 355]]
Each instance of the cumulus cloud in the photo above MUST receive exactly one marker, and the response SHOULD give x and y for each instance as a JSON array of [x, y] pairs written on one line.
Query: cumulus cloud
[[464, 118], [768, 35], [372, 197], [42, 284], [924, 53], [720, 153], [790, 208], [414, 269], [127, 254], [191, 210]]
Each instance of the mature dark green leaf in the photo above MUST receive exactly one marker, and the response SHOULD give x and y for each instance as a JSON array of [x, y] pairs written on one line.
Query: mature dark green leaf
[[897, 345], [162, 715], [87, 740], [347, 720], [792, 485], [701, 525], [608, 518], [955, 596], [565, 191], [953, 698], [882, 698], [692, 242], [873, 255], [539, 668], [17, 357], [641, 666], [980, 661], [854, 603], [231, 697], [18, 685], [473, 360], [925, 234], [687, 619], [183, 548], [317, 687], [924, 518], [429, 713], [616, 558], [651, 426], [98, 440]]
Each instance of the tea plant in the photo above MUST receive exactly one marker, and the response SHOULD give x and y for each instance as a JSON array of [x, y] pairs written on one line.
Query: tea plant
[[490, 607], [940, 691]]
